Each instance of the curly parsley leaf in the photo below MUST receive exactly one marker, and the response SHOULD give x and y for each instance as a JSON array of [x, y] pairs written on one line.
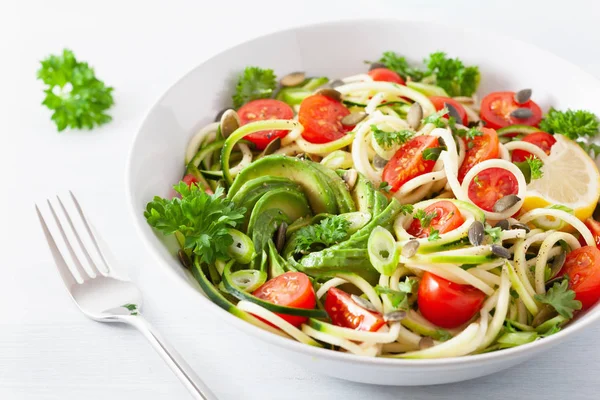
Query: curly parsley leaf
[[433, 235], [437, 118], [253, 84], [574, 124], [399, 65], [561, 298], [328, 232], [79, 99], [535, 167], [452, 75], [424, 217], [388, 139], [203, 219]]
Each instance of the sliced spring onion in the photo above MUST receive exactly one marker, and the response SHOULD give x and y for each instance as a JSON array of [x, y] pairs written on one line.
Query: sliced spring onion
[[383, 252], [338, 159], [249, 279], [242, 248]]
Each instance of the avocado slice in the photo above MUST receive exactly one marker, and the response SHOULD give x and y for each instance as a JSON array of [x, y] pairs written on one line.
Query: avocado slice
[[317, 188], [292, 203], [342, 195], [363, 194]]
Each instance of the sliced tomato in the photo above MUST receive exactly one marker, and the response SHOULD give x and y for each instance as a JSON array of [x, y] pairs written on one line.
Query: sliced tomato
[[543, 140], [261, 110], [490, 185], [189, 179], [583, 268], [447, 218], [440, 102], [345, 312], [594, 227], [447, 304], [321, 118], [481, 148], [408, 161], [292, 289], [386, 75], [496, 108]]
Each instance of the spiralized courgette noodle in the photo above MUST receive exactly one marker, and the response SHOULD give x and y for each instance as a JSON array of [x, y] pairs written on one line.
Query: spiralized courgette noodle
[[510, 285]]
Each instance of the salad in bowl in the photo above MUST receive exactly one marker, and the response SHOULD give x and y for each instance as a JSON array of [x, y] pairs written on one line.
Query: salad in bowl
[[391, 213]]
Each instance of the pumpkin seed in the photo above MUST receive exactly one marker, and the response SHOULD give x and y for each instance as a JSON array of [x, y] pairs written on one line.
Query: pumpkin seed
[[335, 83], [425, 343], [220, 114], [280, 238], [364, 303], [523, 96], [558, 263], [453, 112], [410, 248], [272, 147], [476, 233], [293, 79], [379, 162], [331, 93], [394, 316], [184, 259], [230, 122], [414, 116], [521, 113], [502, 224], [500, 251], [518, 225], [506, 202], [353, 118], [376, 65], [350, 177]]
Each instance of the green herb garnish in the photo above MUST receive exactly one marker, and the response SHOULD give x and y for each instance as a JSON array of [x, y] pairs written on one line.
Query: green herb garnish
[[254, 83], [328, 232], [388, 139]]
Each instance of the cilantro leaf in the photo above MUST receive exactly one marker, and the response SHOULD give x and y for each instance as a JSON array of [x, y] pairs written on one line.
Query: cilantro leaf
[[409, 285], [452, 75], [535, 167], [433, 153], [204, 220], [437, 118], [406, 209], [468, 134], [433, 235], [425, 218], [399, 298], [400, 66], [328, 232], [254, 83], [574, 124], [561, 298], [79, 99], [494, 233], [388, 139], [386, 187]]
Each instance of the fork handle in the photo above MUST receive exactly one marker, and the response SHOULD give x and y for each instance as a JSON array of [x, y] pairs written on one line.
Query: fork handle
[[174, 360]]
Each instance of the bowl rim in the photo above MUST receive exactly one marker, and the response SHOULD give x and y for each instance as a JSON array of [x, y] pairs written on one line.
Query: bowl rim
[[523, 351]]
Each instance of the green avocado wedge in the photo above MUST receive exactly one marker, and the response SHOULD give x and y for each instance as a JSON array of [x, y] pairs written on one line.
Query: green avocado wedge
[[292, 203]]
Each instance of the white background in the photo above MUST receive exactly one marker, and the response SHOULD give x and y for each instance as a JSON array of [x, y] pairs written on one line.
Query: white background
[[48, 349]]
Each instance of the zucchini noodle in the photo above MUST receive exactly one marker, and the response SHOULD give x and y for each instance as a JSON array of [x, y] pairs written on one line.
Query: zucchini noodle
[[197, 140], [526, 146]]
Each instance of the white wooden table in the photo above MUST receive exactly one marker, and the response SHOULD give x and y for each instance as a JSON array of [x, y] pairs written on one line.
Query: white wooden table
[[48, 349]]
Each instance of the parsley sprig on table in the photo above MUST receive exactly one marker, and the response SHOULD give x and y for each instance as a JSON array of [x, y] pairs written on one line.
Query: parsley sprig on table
[[79, 99], [253, 84], [328, 232], [203, 219]]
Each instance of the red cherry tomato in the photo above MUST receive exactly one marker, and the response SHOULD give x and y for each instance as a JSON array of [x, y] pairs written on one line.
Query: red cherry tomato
[[496, 108], [594, 227], [542, 140], [292, 289], [448, 218], [440, 102], [583, 268], [345, 312], [408, 161], [189, 179], [490, 185], [481, 148], [321, 117], [447, 304], [261, 110], [386, 75]]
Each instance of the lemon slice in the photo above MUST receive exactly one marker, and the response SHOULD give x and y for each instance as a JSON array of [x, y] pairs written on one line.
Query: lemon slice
[[570, 177]]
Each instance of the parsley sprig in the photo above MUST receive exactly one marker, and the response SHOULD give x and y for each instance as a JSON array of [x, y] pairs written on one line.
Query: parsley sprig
[[77, 98], [388, 139], [328, 232], [574, 124], [424, 217], [535, 167], [203, 219], [561, 298], [399, 298], [253, 84]]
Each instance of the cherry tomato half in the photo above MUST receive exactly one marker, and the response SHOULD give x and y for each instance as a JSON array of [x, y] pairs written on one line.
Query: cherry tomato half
[[583, 268], [496, 108], [408, 161], [542, 140], [321, 117], [386, 75], [261, 110], [594, 227], [448, 218], [447, 304], [440, 102], [292, 289], [189, 179], [345, 312], [481, 148], [490, 185]]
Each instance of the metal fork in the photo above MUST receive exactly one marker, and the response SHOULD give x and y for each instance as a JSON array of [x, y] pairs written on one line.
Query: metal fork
[[104, 297]]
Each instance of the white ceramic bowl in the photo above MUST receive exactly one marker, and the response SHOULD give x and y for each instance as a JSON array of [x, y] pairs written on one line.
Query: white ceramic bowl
[[339, 49]]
